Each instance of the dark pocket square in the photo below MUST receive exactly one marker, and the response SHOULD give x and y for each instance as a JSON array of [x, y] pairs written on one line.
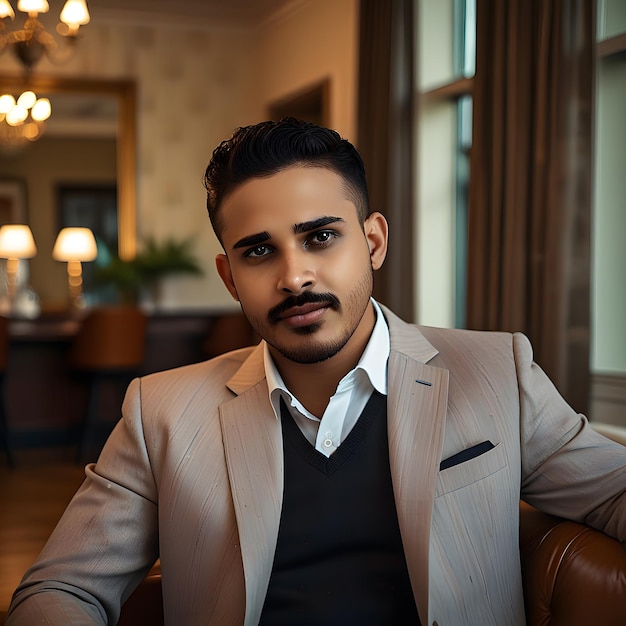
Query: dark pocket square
[[466, 455]]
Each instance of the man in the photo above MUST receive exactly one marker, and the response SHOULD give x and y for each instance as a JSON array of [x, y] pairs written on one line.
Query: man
[[352, 468]]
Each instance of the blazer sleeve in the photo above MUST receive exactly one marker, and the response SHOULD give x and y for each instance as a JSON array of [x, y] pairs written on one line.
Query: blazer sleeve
[[568, 469], [106, 540]]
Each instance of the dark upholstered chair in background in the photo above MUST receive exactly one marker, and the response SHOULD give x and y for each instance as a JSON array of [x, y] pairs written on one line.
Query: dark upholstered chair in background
[[227, 332], [108, 349]]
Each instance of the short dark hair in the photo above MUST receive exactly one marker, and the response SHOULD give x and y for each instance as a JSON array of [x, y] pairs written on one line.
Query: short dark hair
[[267, 148]]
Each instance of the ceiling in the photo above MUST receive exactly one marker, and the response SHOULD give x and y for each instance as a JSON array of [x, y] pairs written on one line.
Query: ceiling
[[235, 12]]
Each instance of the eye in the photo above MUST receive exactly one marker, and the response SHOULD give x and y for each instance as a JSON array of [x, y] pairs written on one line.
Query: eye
[[321, 238], [257, 252]]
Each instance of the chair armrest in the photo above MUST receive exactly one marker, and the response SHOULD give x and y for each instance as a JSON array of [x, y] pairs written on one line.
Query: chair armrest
[[572, 574], [145, 605]]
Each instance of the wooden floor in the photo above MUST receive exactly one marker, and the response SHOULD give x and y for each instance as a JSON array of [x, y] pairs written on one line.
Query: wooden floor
[[33, 495]]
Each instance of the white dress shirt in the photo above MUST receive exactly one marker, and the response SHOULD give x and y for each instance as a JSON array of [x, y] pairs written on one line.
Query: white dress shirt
[[348, 401]]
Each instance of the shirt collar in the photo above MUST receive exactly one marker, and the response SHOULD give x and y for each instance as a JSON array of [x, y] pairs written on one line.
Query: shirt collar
[[373, 363]]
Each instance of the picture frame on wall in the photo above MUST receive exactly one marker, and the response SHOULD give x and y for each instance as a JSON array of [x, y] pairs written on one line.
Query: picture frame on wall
[[13, 206], [311, 103]]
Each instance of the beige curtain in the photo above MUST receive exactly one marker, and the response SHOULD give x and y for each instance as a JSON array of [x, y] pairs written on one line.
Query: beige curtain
[[530, 189], [385, 138]]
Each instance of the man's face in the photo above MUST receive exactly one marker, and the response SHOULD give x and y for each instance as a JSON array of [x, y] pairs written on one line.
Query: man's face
[[300, 262]]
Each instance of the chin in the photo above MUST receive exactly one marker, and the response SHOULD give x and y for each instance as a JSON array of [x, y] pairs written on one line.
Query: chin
[[315, 352], [307, 330]]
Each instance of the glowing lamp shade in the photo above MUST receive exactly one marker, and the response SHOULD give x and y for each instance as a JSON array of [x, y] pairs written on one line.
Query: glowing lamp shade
[[16, 242], [33, 6], [6, 10], [75, 13], [75, 244]]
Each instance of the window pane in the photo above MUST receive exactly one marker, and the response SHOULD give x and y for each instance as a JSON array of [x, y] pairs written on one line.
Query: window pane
[[436, 43], [611, 18], [467, 19], [447, 41], [609, 220]]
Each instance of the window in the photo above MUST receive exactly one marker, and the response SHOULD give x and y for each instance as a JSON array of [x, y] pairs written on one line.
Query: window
[[608, 300], [447, 55]]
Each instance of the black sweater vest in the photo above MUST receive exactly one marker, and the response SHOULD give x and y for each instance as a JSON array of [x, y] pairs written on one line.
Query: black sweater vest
[[339, 558]]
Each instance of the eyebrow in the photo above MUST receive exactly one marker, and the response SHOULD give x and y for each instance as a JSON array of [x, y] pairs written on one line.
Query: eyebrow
[[303, 227], [252, 240], [320, 222]]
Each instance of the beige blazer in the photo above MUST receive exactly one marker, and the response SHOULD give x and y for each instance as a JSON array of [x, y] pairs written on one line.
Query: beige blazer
[[193, 473]]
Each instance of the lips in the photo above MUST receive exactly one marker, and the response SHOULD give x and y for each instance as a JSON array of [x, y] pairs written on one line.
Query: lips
[[306, 308], [304, 315]]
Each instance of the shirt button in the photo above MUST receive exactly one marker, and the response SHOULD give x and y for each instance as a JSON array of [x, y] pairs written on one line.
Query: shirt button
[[328, 443]]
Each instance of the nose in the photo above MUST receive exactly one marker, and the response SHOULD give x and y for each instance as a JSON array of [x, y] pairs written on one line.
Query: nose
[[296, 274]]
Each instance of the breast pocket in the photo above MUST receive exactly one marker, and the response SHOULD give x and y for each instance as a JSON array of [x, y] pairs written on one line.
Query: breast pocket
[[478, 468]]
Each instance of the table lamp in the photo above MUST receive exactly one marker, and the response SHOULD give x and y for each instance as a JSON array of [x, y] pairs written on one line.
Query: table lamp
[[75, 246], [16, 242]]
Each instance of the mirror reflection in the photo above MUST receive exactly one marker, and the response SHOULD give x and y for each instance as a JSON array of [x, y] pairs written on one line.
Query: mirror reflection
[[75, 169]]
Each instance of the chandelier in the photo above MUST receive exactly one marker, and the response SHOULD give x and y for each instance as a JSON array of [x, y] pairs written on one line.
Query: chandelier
[[32, 41], [22, 119]]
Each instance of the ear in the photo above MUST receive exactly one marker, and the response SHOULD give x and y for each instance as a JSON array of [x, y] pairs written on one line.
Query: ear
[[223, 269], [376, 233]]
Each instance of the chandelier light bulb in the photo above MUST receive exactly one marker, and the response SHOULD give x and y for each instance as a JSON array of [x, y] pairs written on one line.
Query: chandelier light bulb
[[27, 99], [16, 116], [33, 6], [7, 102], [41, 110]]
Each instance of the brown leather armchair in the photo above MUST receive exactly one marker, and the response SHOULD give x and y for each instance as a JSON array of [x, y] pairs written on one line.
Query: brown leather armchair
[[573, 576]]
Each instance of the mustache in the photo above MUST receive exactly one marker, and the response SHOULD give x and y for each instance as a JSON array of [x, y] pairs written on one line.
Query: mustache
[[306, 297]]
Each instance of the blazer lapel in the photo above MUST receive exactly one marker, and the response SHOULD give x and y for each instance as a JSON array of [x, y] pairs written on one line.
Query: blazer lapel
[[416, 411], [254, 456]]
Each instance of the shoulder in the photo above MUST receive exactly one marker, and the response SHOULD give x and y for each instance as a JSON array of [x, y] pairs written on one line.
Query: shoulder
[[207, 377], [178, 402], [445, 338]]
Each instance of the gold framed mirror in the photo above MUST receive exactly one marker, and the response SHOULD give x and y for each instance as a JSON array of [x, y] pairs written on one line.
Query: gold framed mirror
[[125, 94]]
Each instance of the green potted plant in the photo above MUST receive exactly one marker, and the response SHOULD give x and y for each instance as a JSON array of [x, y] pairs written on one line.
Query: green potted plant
[[157, 260], [153, 262]]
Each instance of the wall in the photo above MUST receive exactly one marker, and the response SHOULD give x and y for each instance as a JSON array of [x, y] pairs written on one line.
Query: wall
[[196, 83], [319, 40]]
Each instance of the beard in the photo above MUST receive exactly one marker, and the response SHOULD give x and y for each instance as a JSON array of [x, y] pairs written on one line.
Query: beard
[[310, 349]]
